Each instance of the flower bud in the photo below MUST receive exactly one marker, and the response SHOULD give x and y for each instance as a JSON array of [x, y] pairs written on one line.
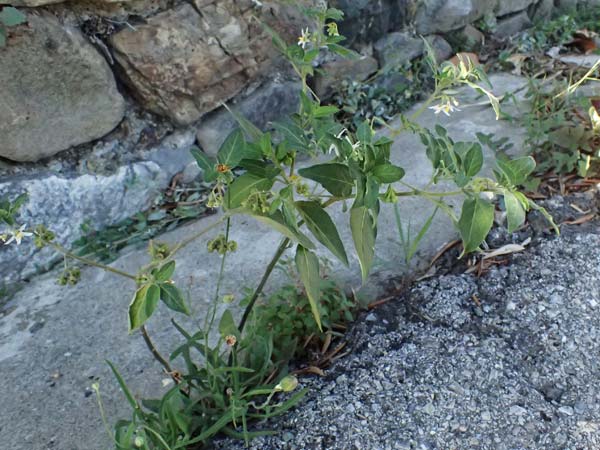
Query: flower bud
[[287, 384]]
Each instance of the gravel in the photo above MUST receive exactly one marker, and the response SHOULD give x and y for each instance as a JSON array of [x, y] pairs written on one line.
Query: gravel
[[508, 361]]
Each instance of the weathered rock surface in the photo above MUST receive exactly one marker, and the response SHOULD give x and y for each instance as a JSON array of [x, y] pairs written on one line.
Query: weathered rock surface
[[369, 20], [29, 3], [511, 6], [511, 25], [397, 48], [64, 201], [440, 16], [57, 91], [185, 62], [338, 70], [182, 64]]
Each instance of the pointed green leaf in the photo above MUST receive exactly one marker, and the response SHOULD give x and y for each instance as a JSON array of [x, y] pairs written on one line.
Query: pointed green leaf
[[473, 160], [362, 226], [343, 51], [322, 227], [252, 132], [227, 325], [205, 163], [334, 177], [173, 298], [388, 173], [324, 111], [475, 222], [260, 168], [143, 305], [277, 222], [515, 213], [165, 272], [128, 395], [516, 170], [293, 135], [308, 269], [243, 186], [233, 149]]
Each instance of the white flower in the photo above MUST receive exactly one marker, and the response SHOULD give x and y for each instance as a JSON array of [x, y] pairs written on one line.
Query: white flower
[[449, 105], [16, 235], [304, 40]]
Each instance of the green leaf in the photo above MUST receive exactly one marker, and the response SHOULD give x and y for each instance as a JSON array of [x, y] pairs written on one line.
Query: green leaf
[[475, 222], [233, 149], [293, 135], [473, 161], [260, 168], [515, 213], [364, 133], [362, 226], [252, 132], [516, 170], [308, 269], [128, 395], [173, 298], [243, 186], [322, 227], [2, 37], [343, 51], [277, 222], [165, 272], [227, 325], [11, 17], [388, 173], [324, 111], [205, 163], [143, 305], [334, 177]]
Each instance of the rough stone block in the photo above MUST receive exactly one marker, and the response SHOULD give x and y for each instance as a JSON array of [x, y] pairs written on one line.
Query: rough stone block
[[339, 70], [397, 48], [57, 91]]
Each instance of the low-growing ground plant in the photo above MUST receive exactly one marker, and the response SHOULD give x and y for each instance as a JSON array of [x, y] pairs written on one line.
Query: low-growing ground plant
[[230, 372]]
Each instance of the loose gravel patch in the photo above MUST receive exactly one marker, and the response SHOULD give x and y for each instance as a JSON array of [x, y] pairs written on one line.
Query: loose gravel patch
[[508, 361]]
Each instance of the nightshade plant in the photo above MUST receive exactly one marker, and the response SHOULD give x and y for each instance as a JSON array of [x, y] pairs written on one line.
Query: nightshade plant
[[227, 383]]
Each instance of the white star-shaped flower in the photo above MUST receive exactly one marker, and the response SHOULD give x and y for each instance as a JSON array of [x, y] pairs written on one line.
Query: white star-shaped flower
[[304, 40], [17, 235]]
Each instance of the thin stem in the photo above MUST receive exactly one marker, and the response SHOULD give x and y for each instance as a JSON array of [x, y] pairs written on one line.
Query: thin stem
[[88, 262], [278, 253], [156, 353], [416, 114]]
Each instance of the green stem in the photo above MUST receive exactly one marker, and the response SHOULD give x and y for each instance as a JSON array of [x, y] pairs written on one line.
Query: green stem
[[278, 253], [417, 113], [88, 262]]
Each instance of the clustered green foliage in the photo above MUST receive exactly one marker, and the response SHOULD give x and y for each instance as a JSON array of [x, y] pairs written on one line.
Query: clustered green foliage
[[9, 17], [559, 31], [228, 382], [562, 130], [383, 96], [287, 314]]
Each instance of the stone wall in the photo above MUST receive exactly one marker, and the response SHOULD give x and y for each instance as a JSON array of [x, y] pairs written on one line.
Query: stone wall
[[102, 99]]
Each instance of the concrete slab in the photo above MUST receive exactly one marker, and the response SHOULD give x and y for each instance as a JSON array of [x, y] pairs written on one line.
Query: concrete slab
[[53, 340]]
